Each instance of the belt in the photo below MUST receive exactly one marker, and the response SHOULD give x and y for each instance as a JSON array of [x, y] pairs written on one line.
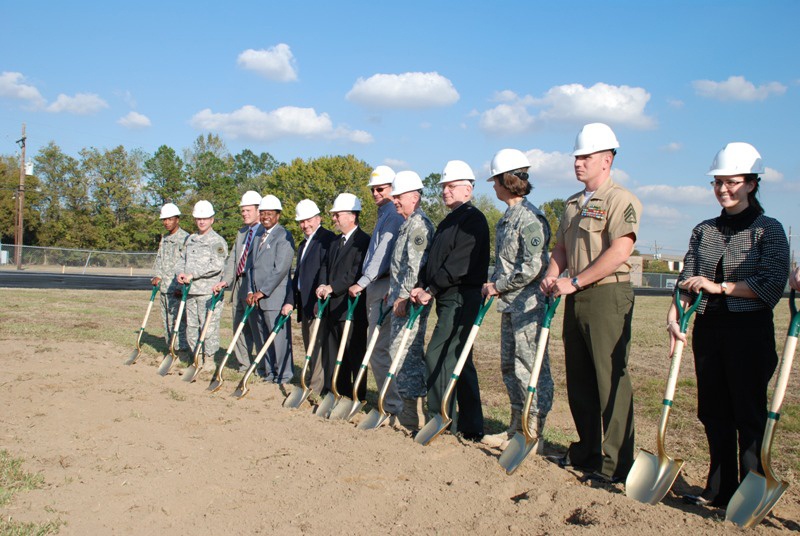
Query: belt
[[613, 278]]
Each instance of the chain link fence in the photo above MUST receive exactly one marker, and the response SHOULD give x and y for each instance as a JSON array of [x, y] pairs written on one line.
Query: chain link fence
[[78, 261]]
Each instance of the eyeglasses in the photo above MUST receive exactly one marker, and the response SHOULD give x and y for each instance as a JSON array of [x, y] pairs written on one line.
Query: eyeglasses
[[379, 189], [730, 185]]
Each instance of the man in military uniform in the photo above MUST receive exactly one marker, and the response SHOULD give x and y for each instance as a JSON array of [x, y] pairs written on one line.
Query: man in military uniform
[[594, 241], [201, 265], [375, 280], [521, 258], [409, 255], [456, 269], [169, 253], [235, 269]]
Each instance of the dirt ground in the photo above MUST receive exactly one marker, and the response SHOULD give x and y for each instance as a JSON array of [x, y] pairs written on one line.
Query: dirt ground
[[125, 451]]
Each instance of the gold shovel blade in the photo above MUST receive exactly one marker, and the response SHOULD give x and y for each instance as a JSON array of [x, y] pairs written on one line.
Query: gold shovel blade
[[296, 397], [342, 409], [166, 364], [216, 383], [432, 429], [517, 450], [241, 390], [326, 406], [754, 499], [651, 477], [190, 373], [374, 420], [133, 357], [355, 409]]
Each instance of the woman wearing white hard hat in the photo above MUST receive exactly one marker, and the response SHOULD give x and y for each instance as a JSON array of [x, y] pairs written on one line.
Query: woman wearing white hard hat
[[521, 257], [740, 261]]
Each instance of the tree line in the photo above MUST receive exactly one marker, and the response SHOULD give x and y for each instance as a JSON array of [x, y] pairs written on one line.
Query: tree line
[[108, 199]]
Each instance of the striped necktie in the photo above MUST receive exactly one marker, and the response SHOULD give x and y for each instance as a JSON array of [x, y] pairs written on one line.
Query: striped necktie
[[243, 259]]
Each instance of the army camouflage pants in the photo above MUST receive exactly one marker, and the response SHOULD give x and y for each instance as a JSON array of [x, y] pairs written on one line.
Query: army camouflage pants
[[196, 309], [519, 335], [169, 310], [411, 371]]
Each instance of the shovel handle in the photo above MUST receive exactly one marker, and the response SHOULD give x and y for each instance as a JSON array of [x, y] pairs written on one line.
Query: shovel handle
[[185, 291], [383, 311], [794, 325], [322, 304], [549, 311], [684, 316], [351, 306], [217, 298], [280, 322], [153, 293], [416, 310], [247, 311], [484, 309]]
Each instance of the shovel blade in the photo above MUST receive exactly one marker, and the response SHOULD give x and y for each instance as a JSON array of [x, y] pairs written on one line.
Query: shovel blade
[[326, 406], [133, 357], [517, 450], [651, 477], [296, 397], [190, 374], [241, 389], [342, 409], [754, 499], [374, 420], [432, 430], [216, 384], [166, 364], [355, 409]]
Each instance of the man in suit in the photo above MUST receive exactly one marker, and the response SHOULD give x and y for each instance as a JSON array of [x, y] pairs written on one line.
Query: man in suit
[[340, 272], [269, 287], [311, 256], [235, 269]]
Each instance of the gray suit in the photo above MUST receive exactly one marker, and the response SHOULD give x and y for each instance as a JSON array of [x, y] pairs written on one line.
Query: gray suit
[[238, 291], [270, 263]]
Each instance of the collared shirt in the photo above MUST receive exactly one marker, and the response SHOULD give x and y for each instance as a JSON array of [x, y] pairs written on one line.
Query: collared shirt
[[308, 241], [379, 255], [587, 231], [347, 235]]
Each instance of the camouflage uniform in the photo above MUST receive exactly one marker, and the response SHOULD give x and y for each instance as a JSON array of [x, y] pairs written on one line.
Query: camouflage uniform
[[204, 259], [410, 253], [169, 255], [521, 259]]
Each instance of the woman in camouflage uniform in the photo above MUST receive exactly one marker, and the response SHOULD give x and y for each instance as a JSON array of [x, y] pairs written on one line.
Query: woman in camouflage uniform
[[521, 257]]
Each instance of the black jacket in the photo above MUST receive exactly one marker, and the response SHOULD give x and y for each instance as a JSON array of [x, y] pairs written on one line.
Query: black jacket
[[307, 273], [342, 270]]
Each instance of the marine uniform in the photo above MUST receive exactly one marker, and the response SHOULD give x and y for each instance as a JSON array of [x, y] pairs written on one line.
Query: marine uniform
[[169, 255]]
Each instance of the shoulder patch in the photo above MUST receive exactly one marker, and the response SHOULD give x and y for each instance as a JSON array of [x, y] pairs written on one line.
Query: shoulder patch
[[630, 214], [419, 240], [532, 235], [221, 250]]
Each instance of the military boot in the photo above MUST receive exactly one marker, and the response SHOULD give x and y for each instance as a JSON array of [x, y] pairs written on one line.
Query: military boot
[[409, 416], [500, 440]]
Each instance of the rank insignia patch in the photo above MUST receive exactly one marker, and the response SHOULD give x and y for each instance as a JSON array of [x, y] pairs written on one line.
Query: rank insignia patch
[[630, 214]]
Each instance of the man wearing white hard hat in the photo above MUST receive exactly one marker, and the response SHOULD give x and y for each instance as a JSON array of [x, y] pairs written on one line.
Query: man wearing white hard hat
[[338, 274], [408, 257], [201, 264], [375, 280], [270, 288], [456, 269], [312, 254], [169, 254], [236, 267], [595, 238]]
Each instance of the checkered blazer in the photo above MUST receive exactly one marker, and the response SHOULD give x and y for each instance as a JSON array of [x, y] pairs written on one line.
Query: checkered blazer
[[758, 255]]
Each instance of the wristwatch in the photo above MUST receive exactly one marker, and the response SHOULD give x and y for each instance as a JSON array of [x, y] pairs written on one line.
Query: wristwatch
[[575, 284], [723, 288]]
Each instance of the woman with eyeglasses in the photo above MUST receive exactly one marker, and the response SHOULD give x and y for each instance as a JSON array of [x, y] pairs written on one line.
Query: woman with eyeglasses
[[740, 261]]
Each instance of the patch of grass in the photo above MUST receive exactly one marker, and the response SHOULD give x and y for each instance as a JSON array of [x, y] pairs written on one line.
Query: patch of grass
[[176, 395], [13, 478], [9, 527]]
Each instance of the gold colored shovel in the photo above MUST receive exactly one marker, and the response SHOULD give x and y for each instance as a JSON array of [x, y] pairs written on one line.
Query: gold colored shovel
[[333, 396], [191, 372], [299, 395], [170, 358], [241, 389], [217, 381], [135, 355]]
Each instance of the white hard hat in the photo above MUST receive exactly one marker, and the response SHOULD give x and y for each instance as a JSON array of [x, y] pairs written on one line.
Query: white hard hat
[[381, 175], [593, 138], [203, 209], [250, 198], [169, 210], [305, 209], [346, 203], [457, 170], [507, 160], [406, 181], [736, 158], [270, 202]]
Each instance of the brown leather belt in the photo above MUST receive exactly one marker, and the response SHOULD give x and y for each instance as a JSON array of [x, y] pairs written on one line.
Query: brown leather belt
[[613, 278]]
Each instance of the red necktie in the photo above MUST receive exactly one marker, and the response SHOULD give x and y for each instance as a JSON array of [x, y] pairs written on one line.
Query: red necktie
[[243, 259]]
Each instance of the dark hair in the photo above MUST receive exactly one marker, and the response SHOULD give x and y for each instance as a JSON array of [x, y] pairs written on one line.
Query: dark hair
[[516, 182], [751, 197]]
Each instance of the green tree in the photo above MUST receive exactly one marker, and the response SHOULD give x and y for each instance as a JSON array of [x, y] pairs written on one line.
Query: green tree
[[252, 171], [553, 210], [493, 214], [9, 185], [431, 201], [166, 179], [210, 177]]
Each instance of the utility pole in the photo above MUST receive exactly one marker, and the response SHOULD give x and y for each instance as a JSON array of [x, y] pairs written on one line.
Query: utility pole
[[20, 203]]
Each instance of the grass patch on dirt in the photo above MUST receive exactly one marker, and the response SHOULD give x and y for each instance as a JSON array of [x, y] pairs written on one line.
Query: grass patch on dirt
[[16, 528], [14, 479]]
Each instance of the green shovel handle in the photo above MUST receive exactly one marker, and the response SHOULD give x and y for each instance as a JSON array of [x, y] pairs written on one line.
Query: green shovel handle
[[185, 291], [351, 306], [484, 309], [247, 311], [794, 325], [321, 305], [383, 312], [153, 294], [280, 322], [217, 298], [416, 310], [684, 317], [549, 311]]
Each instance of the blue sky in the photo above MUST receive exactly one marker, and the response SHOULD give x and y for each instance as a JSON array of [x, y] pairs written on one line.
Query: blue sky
[[413, 84]]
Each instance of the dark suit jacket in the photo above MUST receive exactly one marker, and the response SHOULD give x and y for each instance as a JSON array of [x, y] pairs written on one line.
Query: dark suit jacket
[[306, 275], [342, 270]]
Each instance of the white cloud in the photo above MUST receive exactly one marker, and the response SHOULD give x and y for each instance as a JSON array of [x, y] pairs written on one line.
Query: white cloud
[[672, 147], [620, 175], [396, 164], [675, 103], [406, 91], [80, 104], [552, 167], [251, 123], [134, 120], [571, 103], [12, 87], [693, 195], [662, 213], [276, 63], [771, 175], [737, 88]]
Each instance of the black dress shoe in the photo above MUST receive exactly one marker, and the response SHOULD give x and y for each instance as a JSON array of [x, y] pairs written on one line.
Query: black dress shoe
[[604, 479], [565, 463], [696, 500]]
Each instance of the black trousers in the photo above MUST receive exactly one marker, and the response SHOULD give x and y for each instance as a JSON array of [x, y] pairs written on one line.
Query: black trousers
[[735, 358], [356, 347]]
